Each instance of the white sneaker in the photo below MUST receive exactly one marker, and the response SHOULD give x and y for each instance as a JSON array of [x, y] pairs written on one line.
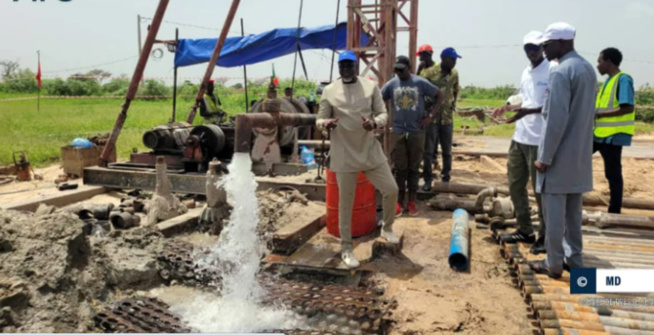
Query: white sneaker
[[349, 260], [390, 236]]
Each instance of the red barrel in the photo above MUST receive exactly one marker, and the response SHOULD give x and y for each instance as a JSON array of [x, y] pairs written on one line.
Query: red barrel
[[364, 211]]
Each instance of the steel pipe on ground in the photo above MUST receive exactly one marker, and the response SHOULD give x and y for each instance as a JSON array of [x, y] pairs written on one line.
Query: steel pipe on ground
[[588, 200], [459, 242], [574, 312], [570, 331], [590, 321]]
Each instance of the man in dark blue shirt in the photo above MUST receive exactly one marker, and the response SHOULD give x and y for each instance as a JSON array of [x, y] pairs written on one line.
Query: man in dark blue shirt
[[407, 94]]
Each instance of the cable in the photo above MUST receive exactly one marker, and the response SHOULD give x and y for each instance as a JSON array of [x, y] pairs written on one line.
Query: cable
[[331, 69], [188, 25], [297, 41], [90, 66]]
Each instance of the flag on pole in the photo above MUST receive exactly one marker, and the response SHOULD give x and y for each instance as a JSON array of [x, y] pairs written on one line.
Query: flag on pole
[[274, 77], [38, 75]]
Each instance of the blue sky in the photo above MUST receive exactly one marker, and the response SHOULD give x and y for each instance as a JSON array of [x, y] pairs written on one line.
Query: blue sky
[[73, 36]]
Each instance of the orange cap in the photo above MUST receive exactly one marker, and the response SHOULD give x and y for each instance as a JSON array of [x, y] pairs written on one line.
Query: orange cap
[[424, 48]]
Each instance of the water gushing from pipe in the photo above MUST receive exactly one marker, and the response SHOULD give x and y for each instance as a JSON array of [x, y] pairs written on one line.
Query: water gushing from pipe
[[238, 255]]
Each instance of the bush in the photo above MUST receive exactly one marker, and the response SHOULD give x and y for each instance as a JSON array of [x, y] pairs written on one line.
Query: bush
[[23, 81], [497, 93], [117, 86], [154, 90]]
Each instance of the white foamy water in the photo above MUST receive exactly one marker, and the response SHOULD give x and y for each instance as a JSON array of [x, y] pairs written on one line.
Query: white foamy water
[[238, 256]]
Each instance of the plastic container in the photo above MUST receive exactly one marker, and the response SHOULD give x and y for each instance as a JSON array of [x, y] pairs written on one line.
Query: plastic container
[[308, 158], [81, 143], [364, 210]]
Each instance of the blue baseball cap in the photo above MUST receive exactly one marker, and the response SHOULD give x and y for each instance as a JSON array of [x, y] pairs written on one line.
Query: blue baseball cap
[[450, 52], [347, 55]]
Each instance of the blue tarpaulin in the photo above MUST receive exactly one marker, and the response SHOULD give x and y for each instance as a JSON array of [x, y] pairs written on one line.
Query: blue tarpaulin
[[251, 49]]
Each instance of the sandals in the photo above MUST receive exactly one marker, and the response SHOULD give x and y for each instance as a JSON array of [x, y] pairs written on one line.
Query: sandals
[[541, 267]]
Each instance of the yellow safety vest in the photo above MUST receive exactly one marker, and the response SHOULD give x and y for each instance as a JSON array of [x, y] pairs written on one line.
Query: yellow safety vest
[[208, 102], [606, 101]]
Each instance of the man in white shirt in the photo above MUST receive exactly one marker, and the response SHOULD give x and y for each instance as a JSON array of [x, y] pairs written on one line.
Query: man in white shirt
[[524, 146]]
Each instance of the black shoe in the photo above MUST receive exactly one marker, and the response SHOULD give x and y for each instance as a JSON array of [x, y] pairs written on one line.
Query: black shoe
[[538, 247], [566, 267], [427, 187], [517, 237]]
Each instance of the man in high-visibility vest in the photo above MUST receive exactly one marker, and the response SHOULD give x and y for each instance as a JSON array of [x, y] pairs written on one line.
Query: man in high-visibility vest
[[209, 108], [614, 121]]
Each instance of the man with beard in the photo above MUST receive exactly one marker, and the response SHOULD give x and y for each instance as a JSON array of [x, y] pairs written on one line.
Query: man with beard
[[564, 164], [524, 145], [407, 93], [441, 130], [352, 107]]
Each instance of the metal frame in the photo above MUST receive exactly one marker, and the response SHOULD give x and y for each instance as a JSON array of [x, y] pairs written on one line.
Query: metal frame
[[380, 21]]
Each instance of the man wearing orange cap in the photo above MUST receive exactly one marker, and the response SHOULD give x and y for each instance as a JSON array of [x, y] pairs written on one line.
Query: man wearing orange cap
[[424, 54]]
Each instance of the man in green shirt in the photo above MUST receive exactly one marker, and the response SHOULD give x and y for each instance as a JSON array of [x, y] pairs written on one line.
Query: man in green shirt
[[446, 78]]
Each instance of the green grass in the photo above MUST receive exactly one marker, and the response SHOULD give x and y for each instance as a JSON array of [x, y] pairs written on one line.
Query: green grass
[[42, 134]]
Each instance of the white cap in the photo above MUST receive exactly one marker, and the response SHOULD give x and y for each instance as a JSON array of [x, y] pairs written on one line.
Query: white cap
[[558, 31], [532, 37]]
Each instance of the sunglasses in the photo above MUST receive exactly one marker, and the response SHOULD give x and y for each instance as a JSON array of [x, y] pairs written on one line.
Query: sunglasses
[[548, 43], [532, 47]]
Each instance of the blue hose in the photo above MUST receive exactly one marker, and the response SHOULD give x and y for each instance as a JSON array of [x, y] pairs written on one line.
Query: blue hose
[[459, 243]]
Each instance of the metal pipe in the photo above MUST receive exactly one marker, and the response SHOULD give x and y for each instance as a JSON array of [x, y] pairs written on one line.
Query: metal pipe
[[458, 258], [571, 324], [175, 78], [245, 74], [489, 192], [588, 200], [214, 59], [581, 313], [110, 147], [570, 331], [447, 204], [591, 318], [245, 123]]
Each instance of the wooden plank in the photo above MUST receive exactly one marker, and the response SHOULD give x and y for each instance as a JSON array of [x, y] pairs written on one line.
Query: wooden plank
[[290, 237], [59, 200], [322, 253], [180, 223]]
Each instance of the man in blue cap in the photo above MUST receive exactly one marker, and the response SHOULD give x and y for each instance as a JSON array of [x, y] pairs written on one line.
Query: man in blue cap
[[352, 107], [407, 93], [446, 78]]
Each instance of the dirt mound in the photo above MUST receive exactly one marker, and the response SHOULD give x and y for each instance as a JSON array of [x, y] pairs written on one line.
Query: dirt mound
[[52, 274]]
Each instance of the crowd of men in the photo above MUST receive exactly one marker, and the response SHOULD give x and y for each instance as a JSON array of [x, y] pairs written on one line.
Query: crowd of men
[[561, 121]]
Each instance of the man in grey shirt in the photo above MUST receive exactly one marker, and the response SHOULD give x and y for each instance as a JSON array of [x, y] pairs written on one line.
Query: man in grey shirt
[[564, 164]]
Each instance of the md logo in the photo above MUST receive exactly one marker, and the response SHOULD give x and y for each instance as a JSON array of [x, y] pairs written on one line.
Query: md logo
[[613, 281]]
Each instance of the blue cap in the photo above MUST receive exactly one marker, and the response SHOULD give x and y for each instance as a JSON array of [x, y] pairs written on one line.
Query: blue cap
[[347, 55], [450, 52]]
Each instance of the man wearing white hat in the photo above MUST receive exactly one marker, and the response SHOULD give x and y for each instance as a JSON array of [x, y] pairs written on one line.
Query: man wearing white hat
[[564, 164], [524, 145]]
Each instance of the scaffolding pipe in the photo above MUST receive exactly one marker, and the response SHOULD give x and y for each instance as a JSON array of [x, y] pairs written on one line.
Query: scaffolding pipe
[[110, 147], [213, 60]]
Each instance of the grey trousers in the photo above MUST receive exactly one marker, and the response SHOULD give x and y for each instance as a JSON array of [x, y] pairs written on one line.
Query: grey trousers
[[563, 214], [521, 168], [380, 177], [435, 134]]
